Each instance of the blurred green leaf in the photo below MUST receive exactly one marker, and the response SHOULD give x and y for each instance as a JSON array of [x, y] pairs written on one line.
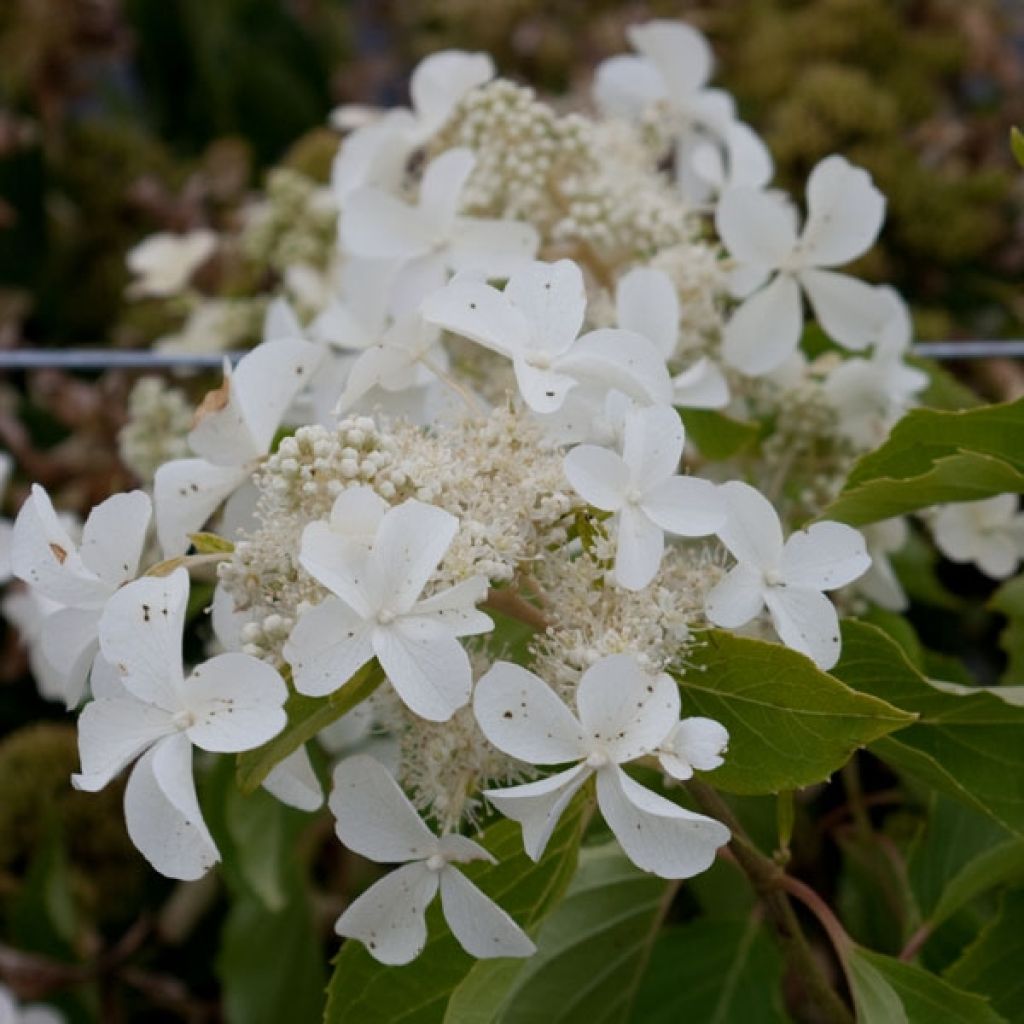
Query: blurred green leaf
[[1009, 600], [716, 435]]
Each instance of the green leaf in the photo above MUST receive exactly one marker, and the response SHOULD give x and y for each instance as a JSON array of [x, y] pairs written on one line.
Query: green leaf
[[42, 917], [271, 963], [210, 543], [1017, 144], [934, 456], [307, 716], [716, 435], [991, 965], [713, 972], [915, 567], [887, 991], [1009, 600], [790, 724], [591, 951], [363, 991], [968, 746]]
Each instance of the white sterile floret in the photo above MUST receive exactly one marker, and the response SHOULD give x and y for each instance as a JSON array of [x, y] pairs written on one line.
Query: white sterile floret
[[78, 579], [12, 1013], [788, 577], [535, 322], [145, 708], [163, 263], [377, 152], [646, 301], [773, 263], [989, 533], [234, 429], [431, 240], [694, 744], [642, 489], [740, 159], [880, 583], [624, 714], [376, 608], [375, 819]]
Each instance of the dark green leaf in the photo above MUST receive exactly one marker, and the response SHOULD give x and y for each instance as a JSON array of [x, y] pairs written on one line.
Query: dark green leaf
[[790, 724], [1009, 599]]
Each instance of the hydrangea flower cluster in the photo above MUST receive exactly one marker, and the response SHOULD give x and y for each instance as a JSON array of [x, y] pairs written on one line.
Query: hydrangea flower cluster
[[464, 424]]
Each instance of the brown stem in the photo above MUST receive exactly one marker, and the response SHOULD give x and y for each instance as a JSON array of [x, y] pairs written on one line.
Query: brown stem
[[916, 942], [508, 602], [771, 884]]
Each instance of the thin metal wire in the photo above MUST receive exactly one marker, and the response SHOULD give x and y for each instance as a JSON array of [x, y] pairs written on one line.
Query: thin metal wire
[[144, 359]]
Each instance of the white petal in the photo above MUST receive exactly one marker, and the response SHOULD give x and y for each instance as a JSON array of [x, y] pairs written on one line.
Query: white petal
[[114, 534], [625, 86], [186, 492], [598, 476], [327, 646], [375, 154], [357, 513], [656, 834], [377, 365], [375, 225], [844, 213], [537, 806], [553, 299], [756, 227], [455, 608], [640, 544], [294, 783], [680, 53], [140, 635], [483, 929], [441, 80], [373, 817], [998, 556], [162, 812], [500, 248], [765, 329], [652, 445], [685, 505], [824, 556], [619, 359], [104, 680], [411, 541], [849, 310], [701, 386], [441, 188], [426, 665], [389, 918], [238, 703], [750, 160], [523, 717], [281, 321], [701, 741], [626, 711], [340, 562], [752, 531], [461, 850], [805, 620], [881, 585], [736, 598], [111, 733], [544, 391], [67, 641], [646, 302], [479, 312], [45, 557]]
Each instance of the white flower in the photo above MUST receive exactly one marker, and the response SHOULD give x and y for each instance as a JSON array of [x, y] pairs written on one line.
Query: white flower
[[641, 488], [693, 744], [673, 68], [535, 322], [989, 533], [624, 714], [646, 302], [375, 819], [12, 1013], [376, 608], [146, 707], [235, 427], [739, 160], [844, 215], [6, 526], [431, 240], [880, 583], [377, 152], [871, 394], [163, 263], [789, 578], [78, 579]]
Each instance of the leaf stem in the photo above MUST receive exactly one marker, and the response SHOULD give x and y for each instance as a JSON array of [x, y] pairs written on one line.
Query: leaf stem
[[774, 887]]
